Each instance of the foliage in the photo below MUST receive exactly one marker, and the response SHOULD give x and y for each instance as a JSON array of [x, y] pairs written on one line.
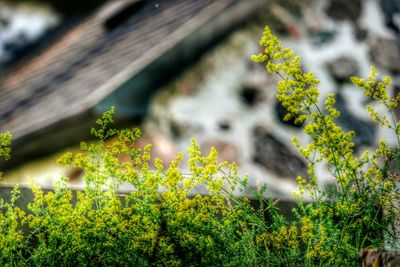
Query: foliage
[[163, 222], [5, 142], [362, 209]]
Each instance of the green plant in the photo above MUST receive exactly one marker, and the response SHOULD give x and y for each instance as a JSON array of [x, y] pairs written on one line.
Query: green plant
[[163, 222], [362, 209]]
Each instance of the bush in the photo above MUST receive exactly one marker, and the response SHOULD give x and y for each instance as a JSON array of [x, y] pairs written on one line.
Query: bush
[[162, 222], [159, 223], [361, 210]]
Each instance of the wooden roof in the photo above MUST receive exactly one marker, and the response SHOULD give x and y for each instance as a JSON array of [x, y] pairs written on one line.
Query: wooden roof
[[85, 65]]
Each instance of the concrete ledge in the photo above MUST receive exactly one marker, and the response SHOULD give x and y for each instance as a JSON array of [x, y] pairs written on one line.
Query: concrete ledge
[[284, 205]]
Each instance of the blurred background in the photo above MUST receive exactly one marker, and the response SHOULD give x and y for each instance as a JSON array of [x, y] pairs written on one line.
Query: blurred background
[[180, 69]]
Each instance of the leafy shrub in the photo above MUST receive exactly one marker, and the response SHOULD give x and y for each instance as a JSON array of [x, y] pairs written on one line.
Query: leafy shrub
[[159, 223], [361, 210], [162, 222]]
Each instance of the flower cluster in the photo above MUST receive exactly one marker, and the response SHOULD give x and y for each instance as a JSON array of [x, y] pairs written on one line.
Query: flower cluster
[[360, 209], [163, 222]]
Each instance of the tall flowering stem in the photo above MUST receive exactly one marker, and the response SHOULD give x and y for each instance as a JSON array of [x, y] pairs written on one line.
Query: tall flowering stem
[[363, 204], [298, 93]]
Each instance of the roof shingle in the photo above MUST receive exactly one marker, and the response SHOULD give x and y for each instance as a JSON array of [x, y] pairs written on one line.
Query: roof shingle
[[90, 61]]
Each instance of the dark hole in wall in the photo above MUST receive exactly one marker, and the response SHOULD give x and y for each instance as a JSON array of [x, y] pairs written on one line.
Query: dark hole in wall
[[224, 125], [250, 95]]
